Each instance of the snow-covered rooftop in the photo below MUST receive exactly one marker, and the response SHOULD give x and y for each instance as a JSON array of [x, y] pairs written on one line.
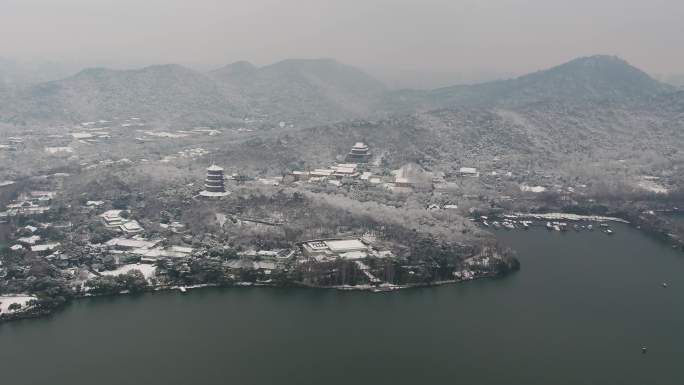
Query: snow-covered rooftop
[[346, 245]]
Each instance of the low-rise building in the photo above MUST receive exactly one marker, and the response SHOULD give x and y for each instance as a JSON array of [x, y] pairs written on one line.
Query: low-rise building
[[29, 240], [300, 175], [468, 171], [113, 218], [402, 182], [351, 248], [131, 243], [45, 247], [321, 172], [131, 227], [347, 170]]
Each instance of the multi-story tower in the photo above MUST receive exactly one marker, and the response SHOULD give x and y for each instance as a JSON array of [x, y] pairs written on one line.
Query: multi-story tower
[[214, 185], [358, 154]]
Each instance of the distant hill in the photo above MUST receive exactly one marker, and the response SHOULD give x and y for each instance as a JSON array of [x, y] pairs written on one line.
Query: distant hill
[[165, 92], [16, 72], [306, 93], [588, 79], [303, 91], [572, 118]]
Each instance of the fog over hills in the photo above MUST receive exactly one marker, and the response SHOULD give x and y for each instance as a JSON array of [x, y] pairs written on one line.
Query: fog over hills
[[328, 89], [161, 91], [305, 93], [311, 91], [588, 79], [18, 72]]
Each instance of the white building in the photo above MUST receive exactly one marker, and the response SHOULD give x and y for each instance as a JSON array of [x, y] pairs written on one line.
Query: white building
[[468, 171], [131, 227], [45, 247], [29, 240], [343, 248]]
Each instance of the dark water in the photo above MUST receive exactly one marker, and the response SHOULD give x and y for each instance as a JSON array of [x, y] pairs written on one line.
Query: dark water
[[677, 217], [5, 234], [577, 313]]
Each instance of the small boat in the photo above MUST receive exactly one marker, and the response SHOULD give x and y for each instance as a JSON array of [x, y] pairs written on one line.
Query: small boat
[[665, 284], [183, 289], [590, 227], [643, 350], [609, 231], [549, 226], [556, 228]]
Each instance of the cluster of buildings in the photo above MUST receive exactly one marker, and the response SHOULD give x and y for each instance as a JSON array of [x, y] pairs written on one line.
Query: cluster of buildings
[[146, 251], [13, 144], [353, 168], [356, 169], [31, 203], [32, 241], [114, 219], [336, 172], [411, 177]]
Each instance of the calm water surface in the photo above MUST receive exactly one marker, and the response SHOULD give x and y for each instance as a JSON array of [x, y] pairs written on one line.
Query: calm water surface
[[577, 313]]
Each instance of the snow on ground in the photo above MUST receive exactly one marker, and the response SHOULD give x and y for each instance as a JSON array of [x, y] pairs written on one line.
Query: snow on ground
[[6, 301], [534, 189], [147, 270], [164, 134], [568, 217], [58, 150], [652, 186]]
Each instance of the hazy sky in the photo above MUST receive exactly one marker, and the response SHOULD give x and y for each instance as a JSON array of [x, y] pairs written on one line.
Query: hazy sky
[[439, 35]]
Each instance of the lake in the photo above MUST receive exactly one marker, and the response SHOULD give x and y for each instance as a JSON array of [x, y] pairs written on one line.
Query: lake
[[578, 312]]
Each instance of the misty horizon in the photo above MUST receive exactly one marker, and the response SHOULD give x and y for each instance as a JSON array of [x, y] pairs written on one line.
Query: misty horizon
[[444, 40], [407, 78]]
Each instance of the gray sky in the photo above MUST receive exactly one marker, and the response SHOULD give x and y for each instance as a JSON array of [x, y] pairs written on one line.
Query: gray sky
[[437, 35]]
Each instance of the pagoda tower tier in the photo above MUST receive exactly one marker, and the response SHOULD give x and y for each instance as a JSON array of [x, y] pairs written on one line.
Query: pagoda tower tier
[[214, 185], [359, 153]]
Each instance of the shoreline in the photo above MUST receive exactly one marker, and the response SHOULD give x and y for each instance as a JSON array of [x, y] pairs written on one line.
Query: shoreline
[[636, 224], [32, 313], [567, 217]]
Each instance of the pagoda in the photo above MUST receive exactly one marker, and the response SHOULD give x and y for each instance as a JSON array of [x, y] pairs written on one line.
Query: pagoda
[[358, 154], [214, 183]]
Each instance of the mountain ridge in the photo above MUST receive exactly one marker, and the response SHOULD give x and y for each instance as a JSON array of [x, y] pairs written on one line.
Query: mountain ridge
[[586, 79], [307, 92]]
